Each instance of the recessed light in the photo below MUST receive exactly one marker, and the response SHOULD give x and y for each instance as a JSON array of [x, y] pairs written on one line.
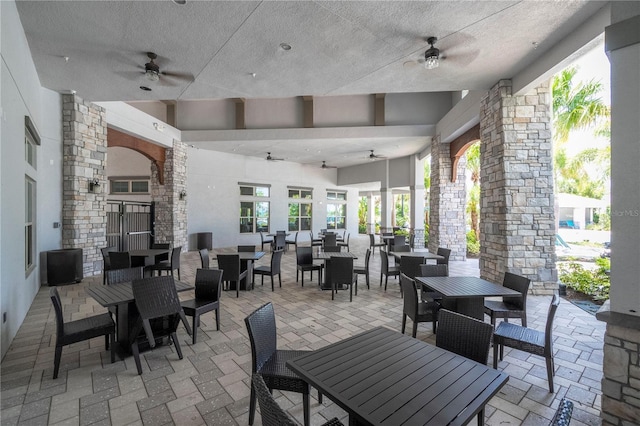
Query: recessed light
[[535, 44], [285, 46], [66, 58], [145, 88]]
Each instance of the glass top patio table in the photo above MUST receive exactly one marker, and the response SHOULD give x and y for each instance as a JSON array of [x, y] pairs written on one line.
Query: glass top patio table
[[382, 377]]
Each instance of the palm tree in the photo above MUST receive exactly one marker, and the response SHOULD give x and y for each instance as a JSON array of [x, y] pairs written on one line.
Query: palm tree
[[473, 196], [576, 106]]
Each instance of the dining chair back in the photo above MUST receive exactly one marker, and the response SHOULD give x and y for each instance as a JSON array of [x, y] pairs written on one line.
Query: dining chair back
[[117, 276], [106, 261], [156, 298], [340, 271], [79, 330], [292, 242], [433, 271], [417, 311], [270, 362], [373, 244], [304, 262], [119, 260], [363, 270], [386, 270], [169, 265], [510, 306], [464, 335], [332, 249], [399, 240], [315, 242], [330, 240], [208, 291], [204, 258], [230, 264], [345, 242], [265, 240], [246, 249], [272, 270], [528, 340], [445, 253]]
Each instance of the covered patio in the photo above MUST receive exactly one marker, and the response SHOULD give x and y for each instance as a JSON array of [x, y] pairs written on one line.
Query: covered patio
[[211, 384]]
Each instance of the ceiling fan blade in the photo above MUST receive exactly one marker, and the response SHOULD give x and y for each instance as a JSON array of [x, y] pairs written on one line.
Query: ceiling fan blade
[[178, 75]]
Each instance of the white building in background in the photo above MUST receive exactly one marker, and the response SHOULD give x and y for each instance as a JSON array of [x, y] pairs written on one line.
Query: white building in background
[[577, 212]]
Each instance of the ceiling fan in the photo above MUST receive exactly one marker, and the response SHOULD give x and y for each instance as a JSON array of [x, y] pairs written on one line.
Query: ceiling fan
[[153, 73], [270, 158], [374, 157], [324, 166]]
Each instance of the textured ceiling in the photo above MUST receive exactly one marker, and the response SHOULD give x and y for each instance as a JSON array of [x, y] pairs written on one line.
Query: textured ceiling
[[232, 49]]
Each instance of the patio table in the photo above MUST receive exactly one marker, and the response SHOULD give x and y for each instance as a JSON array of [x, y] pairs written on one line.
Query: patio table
[[427, 255], [382, 377], [146, 257], [466, 294], [121, 295]]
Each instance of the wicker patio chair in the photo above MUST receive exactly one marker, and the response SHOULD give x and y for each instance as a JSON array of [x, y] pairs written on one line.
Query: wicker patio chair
[[364, 269], [270, 412], [386, 270], [208, 292], [246, 249], [563, 413], [169, 265], [444, 252], [304, 262], [528, 340], [80, 330], [417, 311], [510, 307], [410, 266], [373, 244], [160, 313], [345, 243], [265, 240], [330, 240], [340, 271], [230, 264], [164, 246], [106, 261], [272, 270], [332, 249], [280, 242], [432, 271], [204, 258], [315, 242], [291, 242], [270, 362], [464, 336]]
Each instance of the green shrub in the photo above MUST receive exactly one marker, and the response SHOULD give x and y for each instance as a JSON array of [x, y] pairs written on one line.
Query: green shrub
[[362, 228], [473, 245], [594, 283], [402, 231]]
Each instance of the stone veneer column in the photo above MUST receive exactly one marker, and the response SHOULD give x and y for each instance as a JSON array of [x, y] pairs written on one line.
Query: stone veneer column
[[517, 219], [84, 213], [447, 203], [170, 209]]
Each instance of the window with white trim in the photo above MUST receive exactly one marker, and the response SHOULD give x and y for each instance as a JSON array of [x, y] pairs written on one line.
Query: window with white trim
[[254, 210], [31, 143], [300, 209], [336, 210], [129, 185]]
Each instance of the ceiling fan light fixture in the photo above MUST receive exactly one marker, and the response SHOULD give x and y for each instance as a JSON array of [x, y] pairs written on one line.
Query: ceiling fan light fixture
[[432, 55], [152, 75]]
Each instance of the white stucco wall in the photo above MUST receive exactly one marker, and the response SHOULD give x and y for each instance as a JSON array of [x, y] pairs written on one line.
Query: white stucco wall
[[21, 95], [125, 162], [213, 201]]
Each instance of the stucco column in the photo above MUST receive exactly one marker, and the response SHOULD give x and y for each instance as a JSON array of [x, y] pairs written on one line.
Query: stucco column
[[371, 214], [171, 198], [621, 365], [84, 206], [417, 202], [386, 209], [447, 203], [517, 219]]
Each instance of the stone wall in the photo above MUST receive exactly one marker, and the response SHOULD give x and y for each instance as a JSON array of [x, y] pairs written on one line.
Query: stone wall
[[517, 220], [447, 201], [170, 207], [84, 217]]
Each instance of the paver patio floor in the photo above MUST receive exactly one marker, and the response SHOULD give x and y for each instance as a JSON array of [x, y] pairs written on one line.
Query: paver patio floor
[[211, 384]]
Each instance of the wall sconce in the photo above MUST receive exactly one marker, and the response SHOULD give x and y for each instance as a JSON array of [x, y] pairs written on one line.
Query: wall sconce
[[159, 127], [182, 194], [94, 185]]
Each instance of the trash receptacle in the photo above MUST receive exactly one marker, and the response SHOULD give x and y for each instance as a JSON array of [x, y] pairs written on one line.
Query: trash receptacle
[[63, 266], [204, 240]]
